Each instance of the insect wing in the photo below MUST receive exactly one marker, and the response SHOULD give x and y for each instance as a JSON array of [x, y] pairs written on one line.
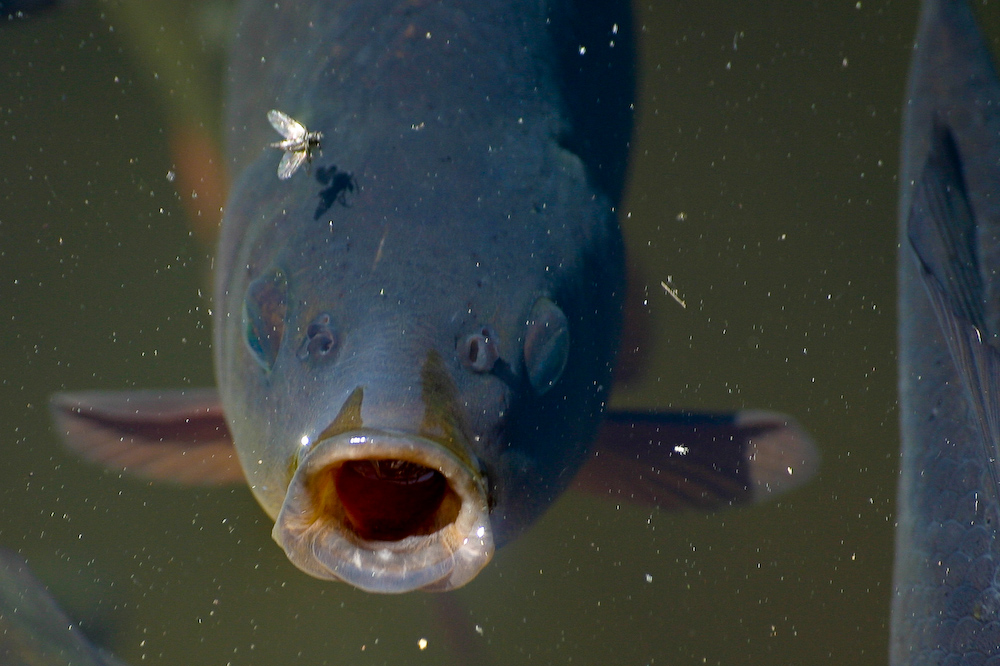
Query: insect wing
[[286, 126], [290, 163]]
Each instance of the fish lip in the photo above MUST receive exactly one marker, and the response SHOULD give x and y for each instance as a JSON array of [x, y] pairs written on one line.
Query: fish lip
[[320, 541]]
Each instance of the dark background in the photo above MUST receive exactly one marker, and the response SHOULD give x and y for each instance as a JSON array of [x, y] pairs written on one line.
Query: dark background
[[763, 184]]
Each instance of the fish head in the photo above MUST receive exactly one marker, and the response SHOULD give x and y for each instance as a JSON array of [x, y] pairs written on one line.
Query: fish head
[[399, 405]]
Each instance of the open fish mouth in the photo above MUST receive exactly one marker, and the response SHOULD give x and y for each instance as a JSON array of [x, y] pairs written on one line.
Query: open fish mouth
[[386, 512]]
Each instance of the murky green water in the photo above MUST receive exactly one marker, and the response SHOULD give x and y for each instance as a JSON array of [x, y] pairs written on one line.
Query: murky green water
[[763, 185]]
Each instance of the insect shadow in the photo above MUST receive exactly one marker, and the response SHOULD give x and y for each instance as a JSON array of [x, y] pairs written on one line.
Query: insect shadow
[[338, 185]]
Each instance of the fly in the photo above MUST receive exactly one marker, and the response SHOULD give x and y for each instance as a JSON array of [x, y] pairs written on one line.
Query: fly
[[298, 143]]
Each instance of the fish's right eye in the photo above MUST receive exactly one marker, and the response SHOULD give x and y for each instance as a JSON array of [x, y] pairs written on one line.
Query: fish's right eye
[[546, 345], [264, 311]]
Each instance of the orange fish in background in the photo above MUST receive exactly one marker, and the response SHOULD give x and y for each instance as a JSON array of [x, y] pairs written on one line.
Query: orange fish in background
[[179, 50], [201, 180]]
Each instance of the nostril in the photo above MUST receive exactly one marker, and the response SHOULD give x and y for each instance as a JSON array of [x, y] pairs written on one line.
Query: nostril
[[479, 351], [320, 340]]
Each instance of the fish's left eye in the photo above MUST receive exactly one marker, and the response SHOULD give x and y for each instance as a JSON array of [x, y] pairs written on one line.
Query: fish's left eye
[[264, 309]]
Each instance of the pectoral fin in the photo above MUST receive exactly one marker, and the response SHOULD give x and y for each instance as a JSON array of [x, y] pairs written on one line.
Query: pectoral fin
[[178, 436], [945, 236], [701, 461], [957, 250]]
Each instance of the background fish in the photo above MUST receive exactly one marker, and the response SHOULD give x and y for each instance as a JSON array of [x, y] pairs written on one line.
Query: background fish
[[947, 570], [34, 631], [414, 347]]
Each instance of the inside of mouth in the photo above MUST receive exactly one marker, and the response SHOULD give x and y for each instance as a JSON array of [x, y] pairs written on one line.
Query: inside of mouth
[[391, 499]]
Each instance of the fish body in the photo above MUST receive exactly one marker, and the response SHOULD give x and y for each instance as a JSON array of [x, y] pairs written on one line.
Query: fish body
[[947, 564], [469, 287], [414, 345]]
